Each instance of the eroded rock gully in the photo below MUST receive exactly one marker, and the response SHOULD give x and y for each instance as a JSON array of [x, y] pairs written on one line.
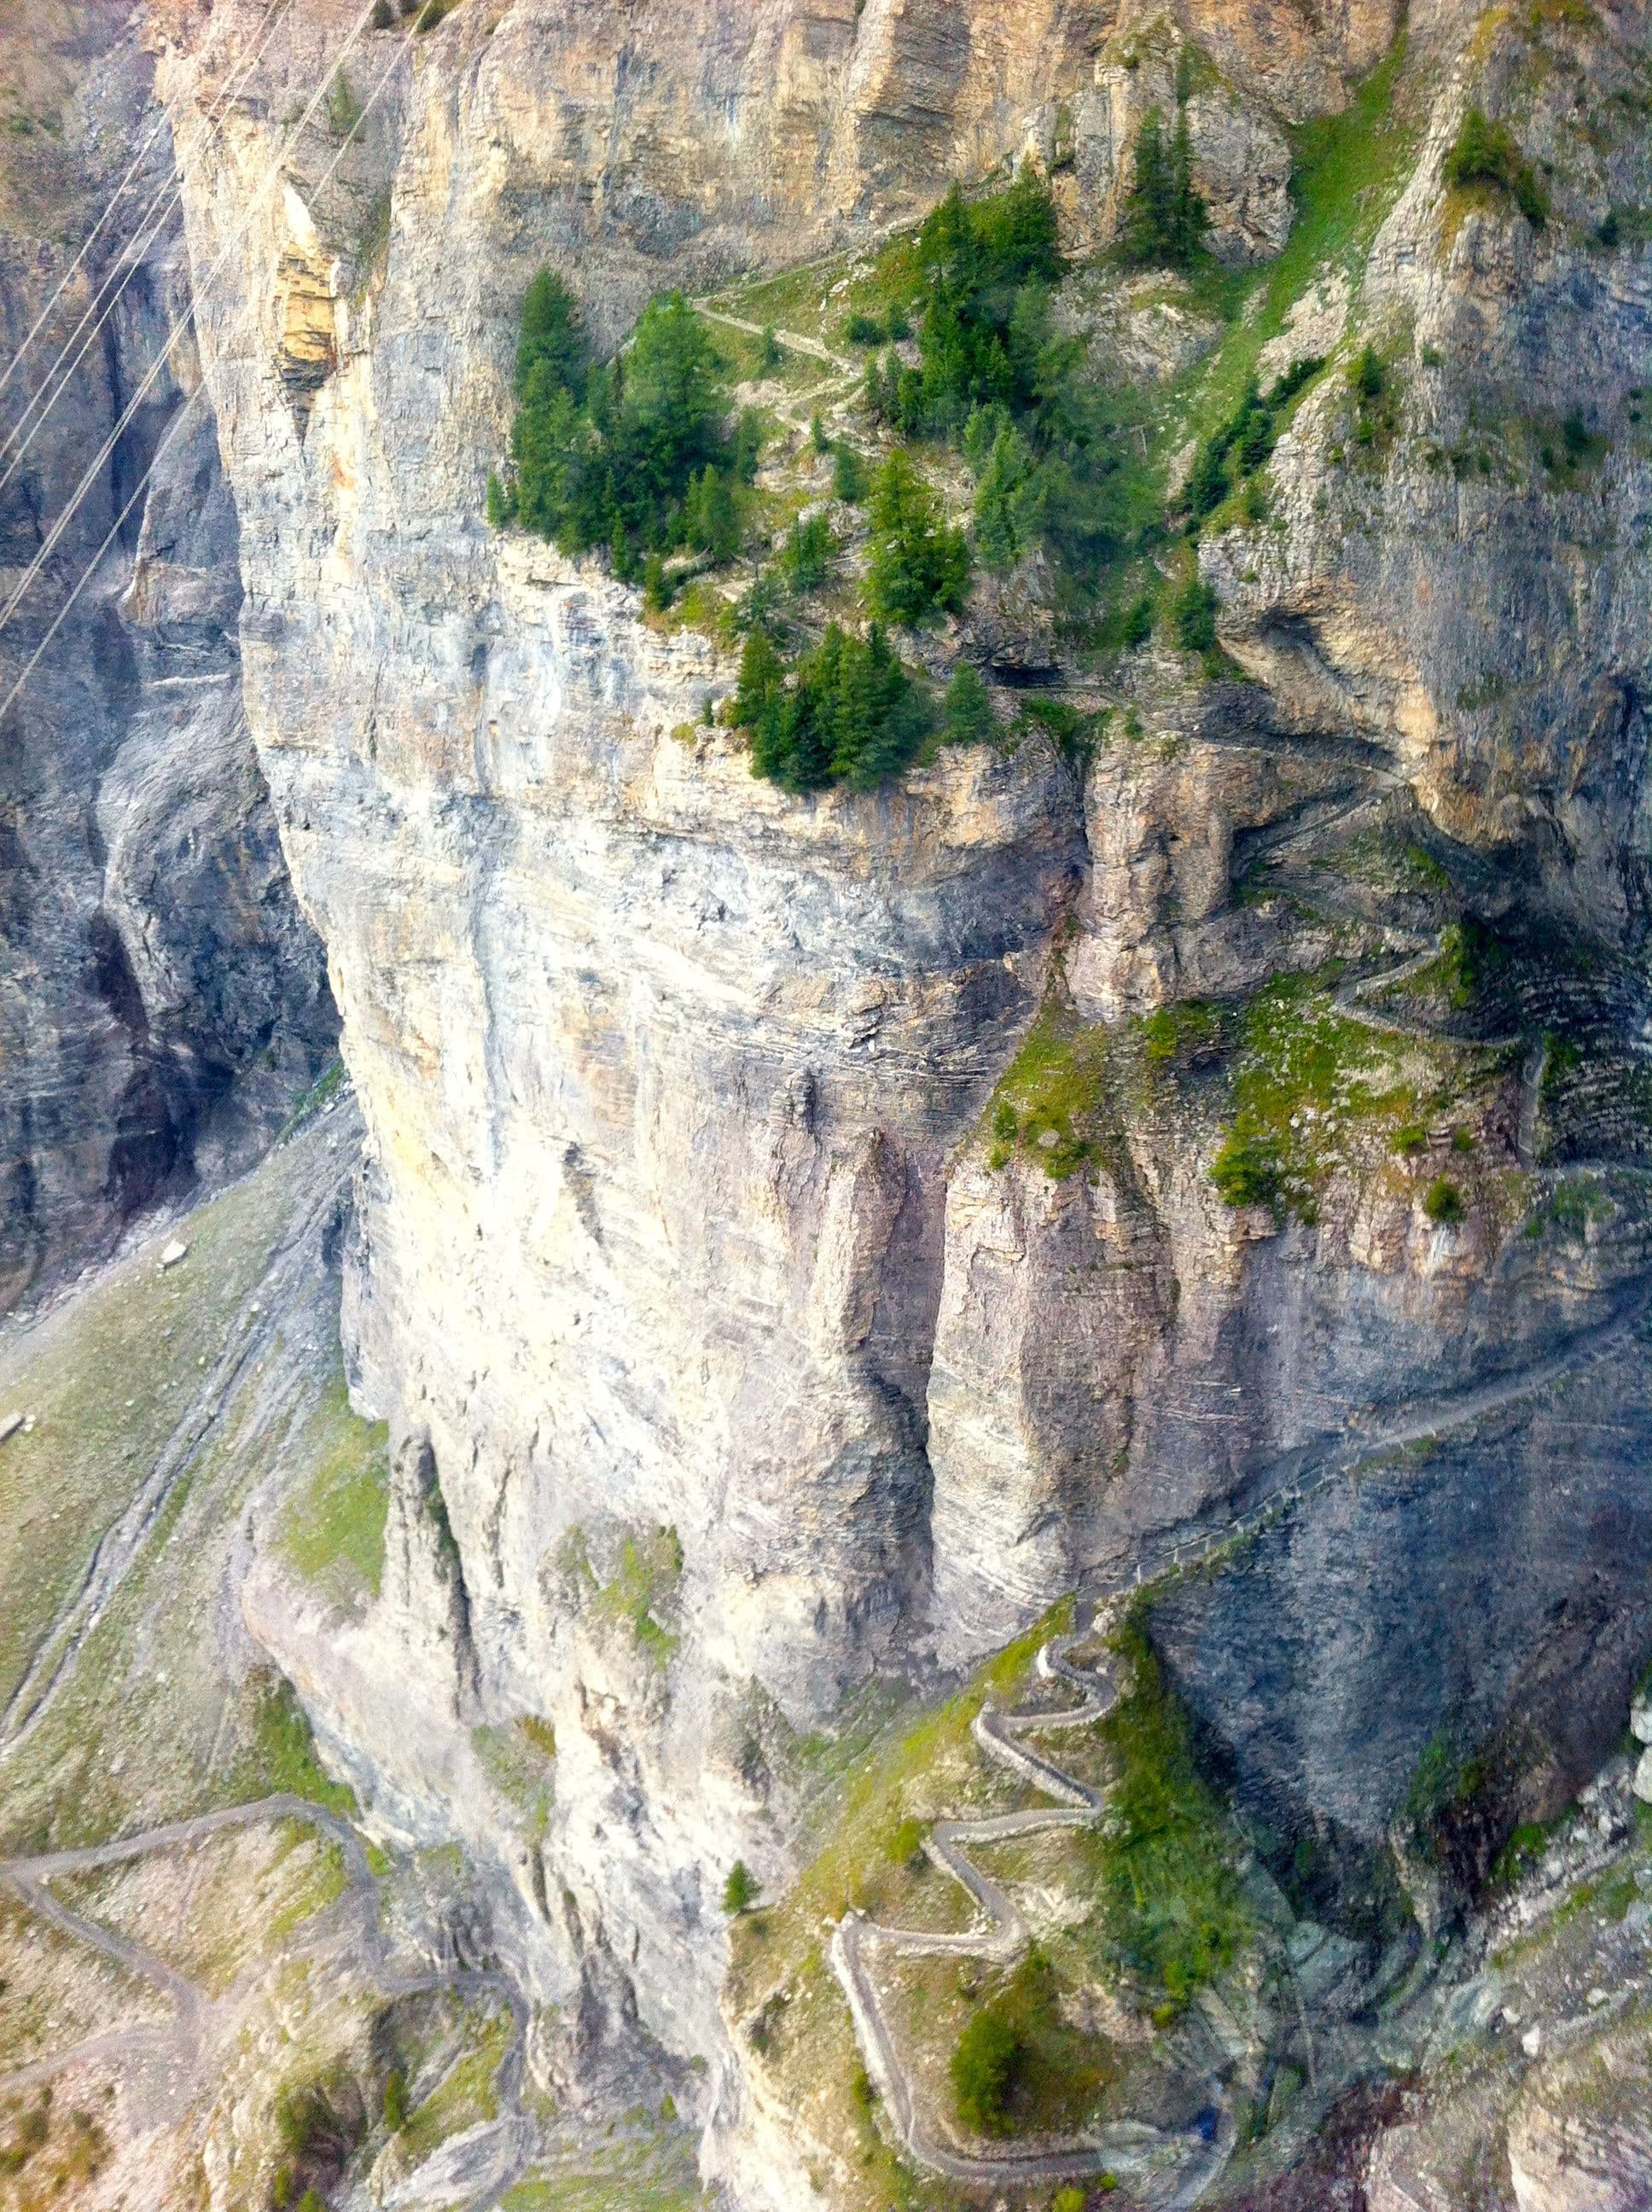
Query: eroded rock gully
[[684, 1274]]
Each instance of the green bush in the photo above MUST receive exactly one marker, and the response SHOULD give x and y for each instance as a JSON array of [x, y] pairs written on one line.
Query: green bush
[[395, 2100], [863, 329], [1442, 1202], [1138, 625], [1366, 374], [1485, 153], [383, 16], [985, 2069], [1195, 616], [919, 565], [906, 1843], [768, 350], [1248, 1170], [1070, 2199], [740, 1891]]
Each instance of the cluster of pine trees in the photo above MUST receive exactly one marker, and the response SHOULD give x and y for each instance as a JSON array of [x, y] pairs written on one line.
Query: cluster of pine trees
[[1163, 218], [632, 453], [848, 710]]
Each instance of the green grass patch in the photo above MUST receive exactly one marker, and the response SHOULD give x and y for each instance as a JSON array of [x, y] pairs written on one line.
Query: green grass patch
[[466, 2095], [1307, 1084], [333, 1528], [327, 1086], [1172, 1906], [518, 1760], [1051, 1101], [643, 1585], [1349, 169], [281, 1756]]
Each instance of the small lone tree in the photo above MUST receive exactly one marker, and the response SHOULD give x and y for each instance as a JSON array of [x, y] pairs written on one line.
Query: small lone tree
[[966, 713], [740, 1890], [848, 477], [656, 590]]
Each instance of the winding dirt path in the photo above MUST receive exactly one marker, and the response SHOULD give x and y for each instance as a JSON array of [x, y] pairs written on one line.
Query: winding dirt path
[[186, 2035], [1000, 1935], [794, 341]]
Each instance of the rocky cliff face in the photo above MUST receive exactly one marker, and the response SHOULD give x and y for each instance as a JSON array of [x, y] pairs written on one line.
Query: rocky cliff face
[[735, 1348], [161, 1000]]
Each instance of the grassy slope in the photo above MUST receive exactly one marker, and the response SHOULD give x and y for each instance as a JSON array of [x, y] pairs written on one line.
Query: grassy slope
[[154, 1722]]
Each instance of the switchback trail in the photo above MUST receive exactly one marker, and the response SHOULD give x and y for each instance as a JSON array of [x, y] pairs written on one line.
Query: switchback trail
[[29, 1877], [1000, 1935]]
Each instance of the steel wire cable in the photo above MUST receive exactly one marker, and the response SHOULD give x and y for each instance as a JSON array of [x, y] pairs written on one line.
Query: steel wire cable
[[145, 231], [200, 297], [178, 420]]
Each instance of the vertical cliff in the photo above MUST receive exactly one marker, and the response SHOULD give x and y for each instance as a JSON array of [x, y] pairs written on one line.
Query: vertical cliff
[[802, 1239]]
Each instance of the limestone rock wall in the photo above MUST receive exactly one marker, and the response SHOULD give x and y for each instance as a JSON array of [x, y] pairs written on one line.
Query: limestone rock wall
[[730, 1368]]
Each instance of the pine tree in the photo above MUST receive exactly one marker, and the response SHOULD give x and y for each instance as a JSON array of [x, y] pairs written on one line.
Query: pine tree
[[1145, 230], [967, 717], [1006, 503], [917, 563], [1189, 216], [619, 543], [656, 590], [552, 335], [739, 1889], [849, 478]]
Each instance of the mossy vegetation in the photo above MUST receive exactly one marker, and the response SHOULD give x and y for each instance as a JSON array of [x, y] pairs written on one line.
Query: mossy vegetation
[[281, 1757], [519, 1759], [333, 1528], [1173, 1909], [467, 2093], [1484, 160], [1053, 1100], [643, 1586], [1311, 1089]]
